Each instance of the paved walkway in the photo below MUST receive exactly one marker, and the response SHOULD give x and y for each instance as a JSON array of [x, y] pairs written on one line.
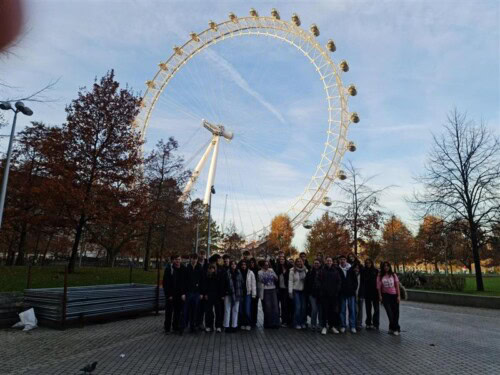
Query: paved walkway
[[435, 340]]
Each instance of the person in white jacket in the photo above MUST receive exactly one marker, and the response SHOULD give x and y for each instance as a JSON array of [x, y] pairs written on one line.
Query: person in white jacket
[[296, 284], [249, 293]]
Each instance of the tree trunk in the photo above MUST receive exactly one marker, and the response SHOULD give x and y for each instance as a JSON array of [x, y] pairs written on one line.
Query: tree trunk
[[47, 248], [22, 245], [11, 252], [477, 261], [74, 250], [35, 252], [436, 267], [147, 252]]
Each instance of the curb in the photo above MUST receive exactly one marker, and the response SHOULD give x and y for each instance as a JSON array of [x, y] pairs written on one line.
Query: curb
[[455, 299]]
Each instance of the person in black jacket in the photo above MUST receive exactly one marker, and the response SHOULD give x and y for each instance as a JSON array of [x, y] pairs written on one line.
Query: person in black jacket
[[313, 291], [282, 269], [194, 276], [330, 287], [370, 274], [174, 287], [212, 295], [348, 288], [203, 262]]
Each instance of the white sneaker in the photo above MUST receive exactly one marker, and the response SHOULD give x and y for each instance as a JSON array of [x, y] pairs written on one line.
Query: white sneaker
[[249, 328], [323, 331], [335, 330], [353, 330], [208, 330], [218, 330], [298, 327], [396, 333], [342, 330]]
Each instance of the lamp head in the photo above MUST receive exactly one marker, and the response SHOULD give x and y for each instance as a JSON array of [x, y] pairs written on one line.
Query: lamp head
[[27, 111], [19, 106], [5, 106], [212, 189]]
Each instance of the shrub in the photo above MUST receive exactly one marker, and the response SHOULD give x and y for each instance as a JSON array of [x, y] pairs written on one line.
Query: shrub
[[419, 280]]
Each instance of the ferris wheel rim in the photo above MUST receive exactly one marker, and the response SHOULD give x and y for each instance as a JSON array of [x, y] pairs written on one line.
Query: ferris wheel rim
[[336, 144]]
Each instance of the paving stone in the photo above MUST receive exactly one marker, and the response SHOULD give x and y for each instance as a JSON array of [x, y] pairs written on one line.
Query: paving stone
[[435, 340]]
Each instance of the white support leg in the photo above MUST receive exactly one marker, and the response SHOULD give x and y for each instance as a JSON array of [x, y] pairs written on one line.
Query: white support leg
[[198, 169], [211, 172]]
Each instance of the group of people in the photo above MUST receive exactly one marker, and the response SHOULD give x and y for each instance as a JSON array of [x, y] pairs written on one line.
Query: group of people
[[223, 294]]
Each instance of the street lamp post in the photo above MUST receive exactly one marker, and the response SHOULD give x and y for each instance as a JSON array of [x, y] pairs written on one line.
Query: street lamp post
[[20, 107], [209, 240]]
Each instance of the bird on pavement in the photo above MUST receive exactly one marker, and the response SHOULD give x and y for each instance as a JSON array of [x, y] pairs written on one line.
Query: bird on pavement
[[89, 368]]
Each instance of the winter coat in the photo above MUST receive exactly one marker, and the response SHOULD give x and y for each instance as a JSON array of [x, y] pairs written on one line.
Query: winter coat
[[194, 276], [360, 289], [284, 270], [330, 281], [349, 283], [296, 279], [234, 285], [174, 281], [313, 283], [370, 283], [251, 284], [211, 287]]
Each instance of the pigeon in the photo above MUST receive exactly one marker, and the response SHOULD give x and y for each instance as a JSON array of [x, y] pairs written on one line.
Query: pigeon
[[89, 368]]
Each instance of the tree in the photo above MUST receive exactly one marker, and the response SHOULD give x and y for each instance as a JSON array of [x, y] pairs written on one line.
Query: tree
[[98, 149], [494, 247], [361, 212], [164, 174], [372, 250], [431, 242], [197, 222], [232, 242], [328, 236], [26, 199], [117, 227], [397, 242], [281, 235], [462, 179]]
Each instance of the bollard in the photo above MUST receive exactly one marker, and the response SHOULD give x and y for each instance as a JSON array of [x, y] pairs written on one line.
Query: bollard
[[64, 298], [28, 283]]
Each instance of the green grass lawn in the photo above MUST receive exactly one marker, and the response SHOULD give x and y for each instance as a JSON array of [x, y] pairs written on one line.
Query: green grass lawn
[[491, 285], [14, 279]]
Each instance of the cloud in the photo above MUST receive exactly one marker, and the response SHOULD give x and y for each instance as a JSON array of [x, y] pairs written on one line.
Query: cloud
[[238, 79]]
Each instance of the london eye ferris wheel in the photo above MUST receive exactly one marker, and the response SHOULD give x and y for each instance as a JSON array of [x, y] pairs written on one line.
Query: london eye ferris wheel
[[259, 149]]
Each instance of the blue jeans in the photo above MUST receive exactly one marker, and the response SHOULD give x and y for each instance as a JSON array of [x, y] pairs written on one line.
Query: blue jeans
[[351, 305], [245, 311], [191, 309], [316, 312], [299, 301]]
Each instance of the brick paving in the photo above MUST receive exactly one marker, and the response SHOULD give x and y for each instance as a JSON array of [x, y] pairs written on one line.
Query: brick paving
[[435, 340]]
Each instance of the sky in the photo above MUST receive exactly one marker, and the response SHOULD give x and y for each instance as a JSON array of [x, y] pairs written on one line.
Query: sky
[[412, 62]]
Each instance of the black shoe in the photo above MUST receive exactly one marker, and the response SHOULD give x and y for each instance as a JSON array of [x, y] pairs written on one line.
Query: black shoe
[[167, 332]]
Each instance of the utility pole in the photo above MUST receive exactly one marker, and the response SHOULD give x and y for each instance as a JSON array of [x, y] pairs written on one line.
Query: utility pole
[[20, 107]]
